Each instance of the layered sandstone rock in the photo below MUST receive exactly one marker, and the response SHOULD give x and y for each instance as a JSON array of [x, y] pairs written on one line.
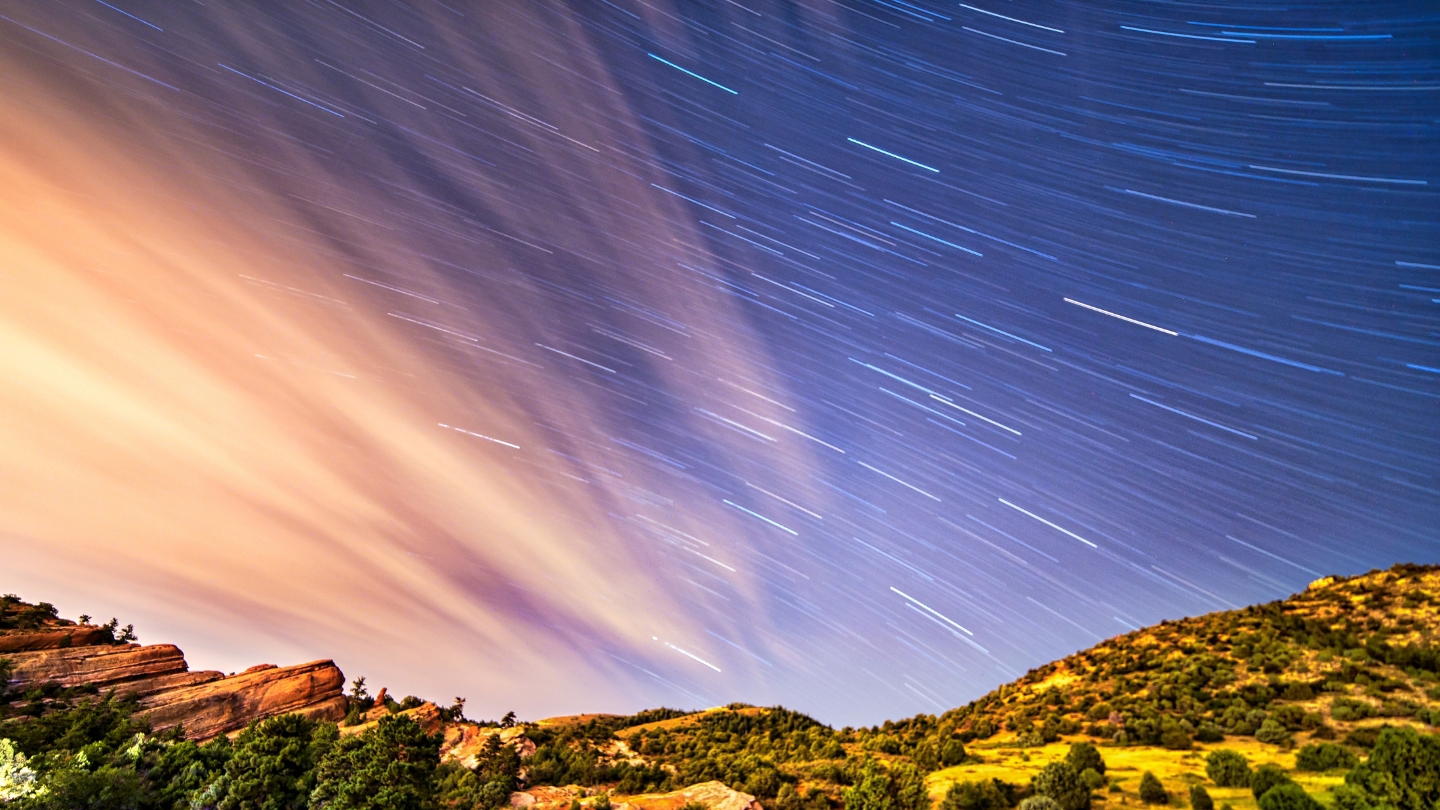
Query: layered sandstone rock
[[57, 636], [101, 665], [203, 704], [714, 795], [222, 705]]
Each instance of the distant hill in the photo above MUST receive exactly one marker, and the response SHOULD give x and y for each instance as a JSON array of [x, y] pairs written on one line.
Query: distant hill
[[1302, 685]]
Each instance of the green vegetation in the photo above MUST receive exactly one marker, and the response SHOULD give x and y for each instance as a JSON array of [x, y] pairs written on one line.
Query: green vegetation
[[97, 756], [988, 794], [1266, 777], [1324, 757], [1228, 768], [1151, 791], [1265, 707]]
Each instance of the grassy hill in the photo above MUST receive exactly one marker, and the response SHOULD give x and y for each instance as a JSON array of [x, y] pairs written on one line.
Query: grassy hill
[[1337, 662], [1333, 665]]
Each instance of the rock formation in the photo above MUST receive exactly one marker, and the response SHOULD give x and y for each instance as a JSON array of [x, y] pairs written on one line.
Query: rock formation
[[714, 795], [203, 704], [217, 706], [101, 665], [54, 637]]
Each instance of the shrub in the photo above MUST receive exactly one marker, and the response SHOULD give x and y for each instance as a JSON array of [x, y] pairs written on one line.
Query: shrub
[[1265, 777], [1228, 768], [16, 779], [1200, 798], [1061, 782], [1273, 733], [1092, 779], [1036, 803], [1364, 737], [952, 753], [981, 795], [1085, 755], [1345, 709], [1209, 733], [1151, 791], [1324, 757], [1288, 796], [871, 791], [1350, 797], [1176, 740], [1403, 770]]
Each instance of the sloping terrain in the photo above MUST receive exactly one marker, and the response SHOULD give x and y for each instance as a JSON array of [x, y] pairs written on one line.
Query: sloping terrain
[[1306, 686]]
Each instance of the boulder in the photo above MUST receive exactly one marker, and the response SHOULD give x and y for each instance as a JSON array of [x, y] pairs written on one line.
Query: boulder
[[463, 742], [714, 795], [426, 714], [223, 705], [101, 666]]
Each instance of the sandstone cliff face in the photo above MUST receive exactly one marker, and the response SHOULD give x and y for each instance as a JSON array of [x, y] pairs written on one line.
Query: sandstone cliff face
[[51, 638], [104, 665], [203, 704], [209, 708]]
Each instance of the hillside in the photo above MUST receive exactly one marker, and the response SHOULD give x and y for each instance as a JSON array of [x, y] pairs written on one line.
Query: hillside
[[1314, 678]]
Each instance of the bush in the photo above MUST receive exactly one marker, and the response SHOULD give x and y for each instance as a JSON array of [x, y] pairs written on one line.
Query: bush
[[1364, 737], [1324, 757], [1200, 798], [1036, 803], [1175, 740], [74, 787], [981, 795], [1151, 791], [1265, 777], [1344, 709], [1403, 770], [901, 788], [1092, 779], [1061, 782], [1209, 733], [1273, 733], [1084, 755], [1350, 797], [1228, 768], [1288, 796], [952, 753]]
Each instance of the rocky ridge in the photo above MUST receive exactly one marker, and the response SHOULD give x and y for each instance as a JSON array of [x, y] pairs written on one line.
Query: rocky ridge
[[49, 652]]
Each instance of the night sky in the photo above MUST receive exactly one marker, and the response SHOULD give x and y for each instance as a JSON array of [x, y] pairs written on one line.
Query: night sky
[[855, 355]]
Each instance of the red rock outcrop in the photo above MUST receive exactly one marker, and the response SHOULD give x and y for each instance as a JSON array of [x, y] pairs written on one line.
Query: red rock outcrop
[[229, 704], [714, 795], [464, 741], [52, 638], [203, 704], [100, 665]]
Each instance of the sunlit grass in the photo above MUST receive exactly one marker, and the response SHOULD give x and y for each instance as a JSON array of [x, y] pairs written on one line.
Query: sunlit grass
[[1176, 770]]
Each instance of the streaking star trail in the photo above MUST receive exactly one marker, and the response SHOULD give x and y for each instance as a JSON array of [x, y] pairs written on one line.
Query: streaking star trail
[[854, 355]]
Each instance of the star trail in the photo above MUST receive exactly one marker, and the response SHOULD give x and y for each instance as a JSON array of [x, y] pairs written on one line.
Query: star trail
[[855, 355]]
